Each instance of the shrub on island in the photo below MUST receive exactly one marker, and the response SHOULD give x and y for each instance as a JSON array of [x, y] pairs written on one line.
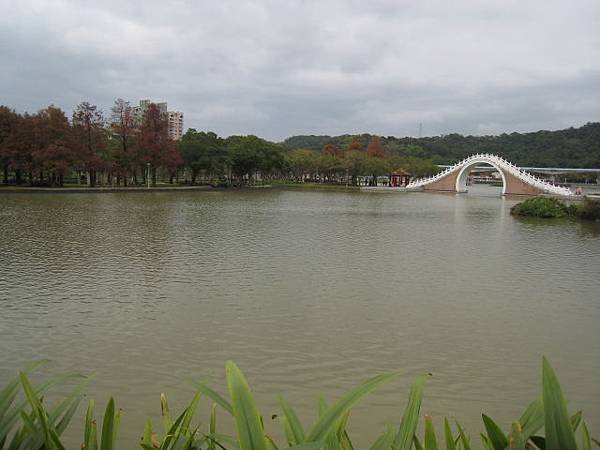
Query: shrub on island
[[546, 207]]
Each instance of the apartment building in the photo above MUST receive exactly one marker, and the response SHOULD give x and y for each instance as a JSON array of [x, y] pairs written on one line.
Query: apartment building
[[175, 121], [174, 118]]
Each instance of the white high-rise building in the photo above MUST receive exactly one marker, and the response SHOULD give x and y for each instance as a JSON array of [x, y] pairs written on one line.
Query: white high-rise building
[[175, 121], [174, 118]]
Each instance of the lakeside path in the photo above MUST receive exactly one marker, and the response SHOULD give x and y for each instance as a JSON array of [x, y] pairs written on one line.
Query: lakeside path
[[79, 190], [83, 189]]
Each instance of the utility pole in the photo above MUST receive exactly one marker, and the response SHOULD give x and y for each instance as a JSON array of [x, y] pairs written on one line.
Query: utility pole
[[420, 129]]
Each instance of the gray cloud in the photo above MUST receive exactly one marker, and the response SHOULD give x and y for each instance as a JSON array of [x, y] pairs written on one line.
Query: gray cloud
[[277, 68]]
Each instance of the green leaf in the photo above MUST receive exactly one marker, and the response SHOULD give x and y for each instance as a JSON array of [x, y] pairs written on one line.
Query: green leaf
[[576, 420], [430, 439], [585, 438], [410, 418], [306, 446], [215, 396], [384, 442], [147, 437], [448, 435], [559, 432], [532, 419], [294, 426], [212, 428], [107, 438], [464, 439], [326, 423], [496, 436], [486, 442], [89, 422], [418, 445], [249, 427], [516, 441], [165, 414]]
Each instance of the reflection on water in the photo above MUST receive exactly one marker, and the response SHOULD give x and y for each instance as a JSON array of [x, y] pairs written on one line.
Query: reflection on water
[[311, 292]]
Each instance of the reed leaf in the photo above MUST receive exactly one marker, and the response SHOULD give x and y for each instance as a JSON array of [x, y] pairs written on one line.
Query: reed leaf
[[248, 424], [410, 418], [448, 435], [293, 425], [496, 436], [430, 439], [327, 422], [559, 432]]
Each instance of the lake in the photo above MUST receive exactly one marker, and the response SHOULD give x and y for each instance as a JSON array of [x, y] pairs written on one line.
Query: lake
[[310, 292]]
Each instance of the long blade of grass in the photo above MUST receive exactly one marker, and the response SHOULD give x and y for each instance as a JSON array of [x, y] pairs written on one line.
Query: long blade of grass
[[107, 438], [495, 435], [212, 427], [249, 427], [164, 412], [585, 438], [576, 420], [532, 420], [486, 442], [430, 439], [295, 426], [384, 442], [559, 432], [410, 418], [215, 396], [448, 435], [464, 439], [326, 423]]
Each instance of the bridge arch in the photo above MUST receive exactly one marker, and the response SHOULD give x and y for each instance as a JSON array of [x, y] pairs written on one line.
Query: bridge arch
[[515, 181], [463, 174]]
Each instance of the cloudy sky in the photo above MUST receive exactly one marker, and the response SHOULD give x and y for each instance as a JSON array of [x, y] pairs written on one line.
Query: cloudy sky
[[276, 68]]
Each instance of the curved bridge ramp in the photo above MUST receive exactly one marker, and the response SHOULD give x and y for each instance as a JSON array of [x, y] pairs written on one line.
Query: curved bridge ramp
[[515, 181]]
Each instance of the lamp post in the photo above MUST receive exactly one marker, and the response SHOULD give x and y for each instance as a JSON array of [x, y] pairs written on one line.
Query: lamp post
[[148, 174]]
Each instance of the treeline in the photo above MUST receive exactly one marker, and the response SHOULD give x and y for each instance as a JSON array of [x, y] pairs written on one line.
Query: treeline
[[50, 149], [44, 148], [572, 147]]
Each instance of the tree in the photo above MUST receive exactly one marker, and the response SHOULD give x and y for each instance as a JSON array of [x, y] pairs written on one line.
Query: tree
[[124, 131], [355, 164], [302, 162], [248, 154], [8, 123], [332, 150], [54, 151], [375, 148], [203, 151], [376, 167], [153, 143], [355, 145], [90, 139]]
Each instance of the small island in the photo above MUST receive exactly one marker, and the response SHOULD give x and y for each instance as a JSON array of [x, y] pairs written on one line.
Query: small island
[[553, 208]]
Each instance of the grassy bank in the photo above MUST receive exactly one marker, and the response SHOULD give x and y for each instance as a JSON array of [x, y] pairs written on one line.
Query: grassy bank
[[553, 208], [26, 422], [313, 186]]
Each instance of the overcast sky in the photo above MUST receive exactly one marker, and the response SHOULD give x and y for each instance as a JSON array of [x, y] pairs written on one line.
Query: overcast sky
[[284, 67]]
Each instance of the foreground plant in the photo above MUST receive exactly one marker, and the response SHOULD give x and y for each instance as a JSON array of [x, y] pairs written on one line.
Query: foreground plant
[[27, 424]]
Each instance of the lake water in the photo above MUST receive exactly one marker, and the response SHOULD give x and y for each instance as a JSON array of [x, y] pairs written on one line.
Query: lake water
[[310, 292]]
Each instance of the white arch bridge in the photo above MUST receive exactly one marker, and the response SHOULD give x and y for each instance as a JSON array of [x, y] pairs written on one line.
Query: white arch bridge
[[515, 181]]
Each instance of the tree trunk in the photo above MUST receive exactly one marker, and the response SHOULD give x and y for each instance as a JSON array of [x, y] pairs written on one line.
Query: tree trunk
[[5, 173], [19, 176]]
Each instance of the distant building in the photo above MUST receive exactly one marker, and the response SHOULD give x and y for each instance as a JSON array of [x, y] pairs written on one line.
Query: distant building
[[174, 118]]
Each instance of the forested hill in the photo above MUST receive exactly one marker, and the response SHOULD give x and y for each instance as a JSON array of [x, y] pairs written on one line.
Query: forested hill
[[572, 147]]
